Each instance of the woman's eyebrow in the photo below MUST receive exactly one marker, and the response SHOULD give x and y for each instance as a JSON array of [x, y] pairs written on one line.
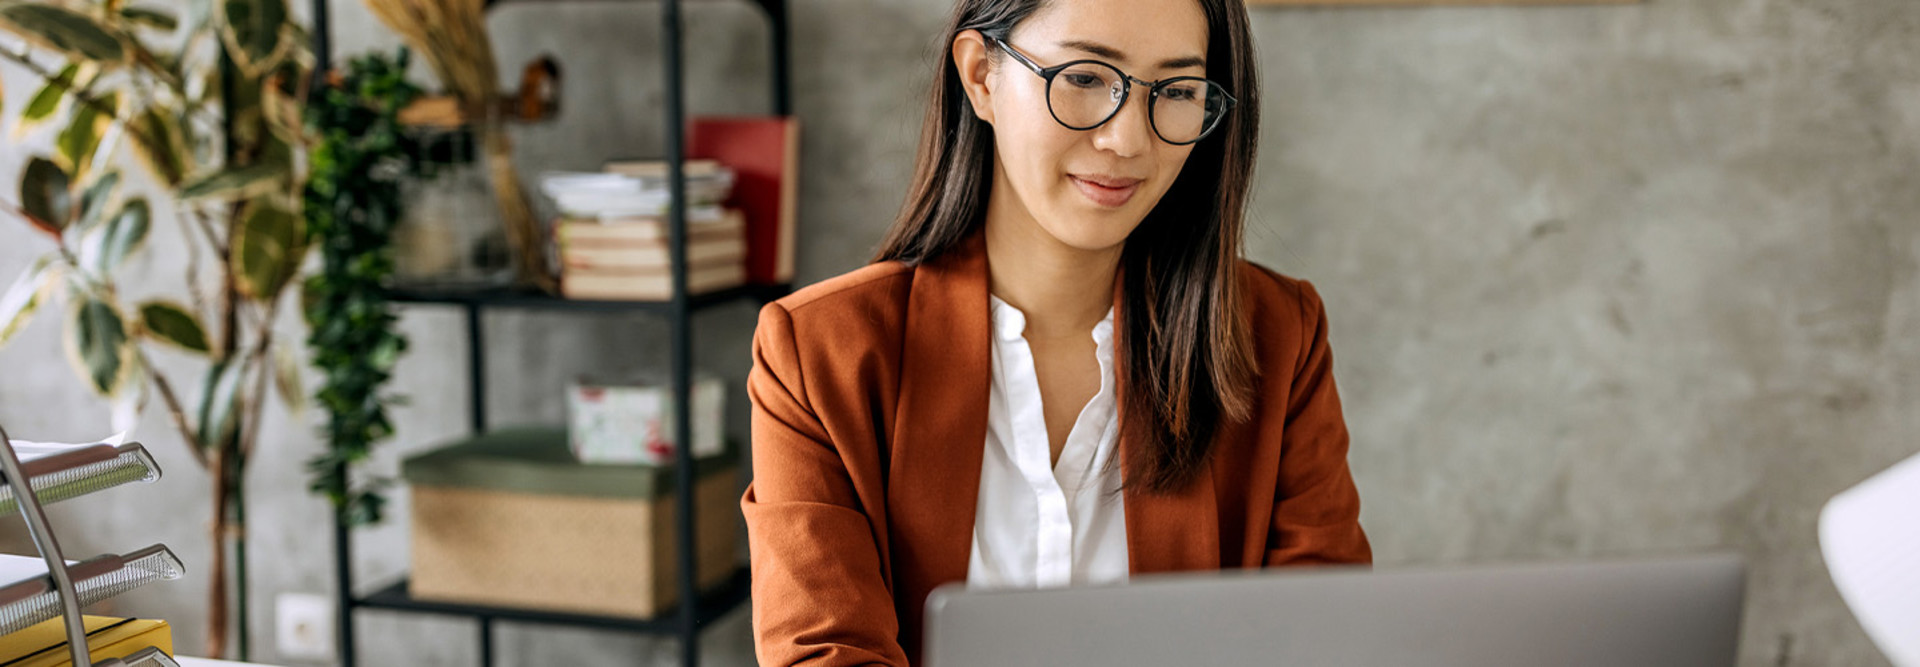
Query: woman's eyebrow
[[1111, 53]]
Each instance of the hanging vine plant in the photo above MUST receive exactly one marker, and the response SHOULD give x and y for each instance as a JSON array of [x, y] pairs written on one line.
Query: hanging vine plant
[[353, 203]]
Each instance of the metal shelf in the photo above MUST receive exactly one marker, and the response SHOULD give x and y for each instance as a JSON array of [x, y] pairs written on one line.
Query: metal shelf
[[715, 603], [694, 610]]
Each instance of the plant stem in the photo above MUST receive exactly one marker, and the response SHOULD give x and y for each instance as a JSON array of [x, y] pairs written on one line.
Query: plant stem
[[173, 408], [257, 407], [239, 537], [217, 570]]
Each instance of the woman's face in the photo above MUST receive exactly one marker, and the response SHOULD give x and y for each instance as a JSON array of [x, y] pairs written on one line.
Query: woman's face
[[1084, 188]]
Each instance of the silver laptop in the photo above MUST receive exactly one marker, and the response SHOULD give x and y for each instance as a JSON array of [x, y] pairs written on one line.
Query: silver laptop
[[1679, 612]]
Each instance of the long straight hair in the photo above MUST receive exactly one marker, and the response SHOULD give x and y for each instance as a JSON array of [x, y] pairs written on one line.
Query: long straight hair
[[1184, 336]]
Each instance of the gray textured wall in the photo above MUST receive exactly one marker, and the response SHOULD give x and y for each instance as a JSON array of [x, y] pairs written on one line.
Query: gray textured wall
[[1604, 281]]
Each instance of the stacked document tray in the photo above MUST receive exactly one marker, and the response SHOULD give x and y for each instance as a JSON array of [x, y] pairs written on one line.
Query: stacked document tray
[[38, 589]]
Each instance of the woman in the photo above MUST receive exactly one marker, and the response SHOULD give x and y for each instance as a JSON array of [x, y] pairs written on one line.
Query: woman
[[1057, 370]]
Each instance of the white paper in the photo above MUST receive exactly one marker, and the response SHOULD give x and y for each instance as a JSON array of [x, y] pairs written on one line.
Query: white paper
[[15, 569], [28, 451], [1870, 536]]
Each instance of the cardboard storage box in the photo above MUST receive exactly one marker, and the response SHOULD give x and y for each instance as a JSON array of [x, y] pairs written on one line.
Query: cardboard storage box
[[510, 519], [44, 644]]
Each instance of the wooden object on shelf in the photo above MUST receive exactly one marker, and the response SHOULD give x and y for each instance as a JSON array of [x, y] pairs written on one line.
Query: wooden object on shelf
[[509, 519], [538, 99]]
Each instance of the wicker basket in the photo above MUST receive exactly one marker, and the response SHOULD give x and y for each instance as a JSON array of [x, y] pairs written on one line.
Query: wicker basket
[[500, 520]]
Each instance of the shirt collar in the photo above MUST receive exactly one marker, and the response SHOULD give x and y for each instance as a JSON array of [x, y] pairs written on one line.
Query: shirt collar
[[1009, 324]]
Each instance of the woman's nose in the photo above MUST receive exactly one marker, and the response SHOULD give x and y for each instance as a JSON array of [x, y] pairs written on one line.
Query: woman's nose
[[1129, 132]]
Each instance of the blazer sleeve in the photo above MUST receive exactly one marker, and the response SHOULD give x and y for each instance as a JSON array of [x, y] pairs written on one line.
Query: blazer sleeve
[[1316, 517], [820, 596]]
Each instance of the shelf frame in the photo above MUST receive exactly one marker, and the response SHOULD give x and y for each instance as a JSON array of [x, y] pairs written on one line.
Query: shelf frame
[[713, 604], [694, 609]]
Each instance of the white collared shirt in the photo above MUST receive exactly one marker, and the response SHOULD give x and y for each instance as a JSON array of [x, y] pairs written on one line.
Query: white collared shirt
[[1038, 525]]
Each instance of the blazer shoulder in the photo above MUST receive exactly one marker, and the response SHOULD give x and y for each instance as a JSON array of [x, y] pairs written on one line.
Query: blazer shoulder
[[1274, 296], [874, 294]]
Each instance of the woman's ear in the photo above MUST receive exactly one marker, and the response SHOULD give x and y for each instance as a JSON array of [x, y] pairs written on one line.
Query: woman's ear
[[970, 59]]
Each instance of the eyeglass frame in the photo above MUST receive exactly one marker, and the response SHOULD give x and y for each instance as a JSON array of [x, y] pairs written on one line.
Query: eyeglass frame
[[1126, 91]]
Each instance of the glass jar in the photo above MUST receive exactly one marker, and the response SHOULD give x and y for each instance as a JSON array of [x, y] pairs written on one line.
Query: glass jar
[[452, 234]]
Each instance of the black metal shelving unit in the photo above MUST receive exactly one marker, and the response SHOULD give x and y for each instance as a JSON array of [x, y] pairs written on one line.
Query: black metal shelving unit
[[696, 608]]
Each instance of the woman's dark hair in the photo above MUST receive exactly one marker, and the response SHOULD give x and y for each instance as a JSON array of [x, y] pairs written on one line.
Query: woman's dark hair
[[1183, 331]]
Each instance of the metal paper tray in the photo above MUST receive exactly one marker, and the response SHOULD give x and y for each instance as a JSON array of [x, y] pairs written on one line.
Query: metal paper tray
[[146, 657], [34, 599], [79, 471]]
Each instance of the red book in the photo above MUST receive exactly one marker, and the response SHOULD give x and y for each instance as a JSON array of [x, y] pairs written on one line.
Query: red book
[[764, 153]]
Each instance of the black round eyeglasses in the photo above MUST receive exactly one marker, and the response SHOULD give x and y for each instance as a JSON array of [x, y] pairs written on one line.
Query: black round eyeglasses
[[1084, 94]]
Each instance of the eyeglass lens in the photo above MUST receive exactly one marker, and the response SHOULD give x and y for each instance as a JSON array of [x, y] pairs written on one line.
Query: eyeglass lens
[[1086, 94]]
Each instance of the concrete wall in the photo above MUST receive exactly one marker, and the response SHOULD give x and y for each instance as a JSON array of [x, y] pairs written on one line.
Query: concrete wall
[[1604, 281]]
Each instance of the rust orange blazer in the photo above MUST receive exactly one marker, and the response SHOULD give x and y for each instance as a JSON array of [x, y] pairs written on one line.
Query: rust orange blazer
[[869, 399]]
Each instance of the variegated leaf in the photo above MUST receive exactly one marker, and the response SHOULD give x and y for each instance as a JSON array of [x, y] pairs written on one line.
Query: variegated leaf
[[173, 323], [97, 344], [26, 295], [56, 27]]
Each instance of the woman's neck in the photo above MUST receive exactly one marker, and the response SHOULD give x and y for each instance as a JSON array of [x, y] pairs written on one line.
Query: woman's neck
[[1063, 291]]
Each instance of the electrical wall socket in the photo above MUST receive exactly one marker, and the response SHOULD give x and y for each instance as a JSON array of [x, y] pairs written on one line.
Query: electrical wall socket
[[304, 626]]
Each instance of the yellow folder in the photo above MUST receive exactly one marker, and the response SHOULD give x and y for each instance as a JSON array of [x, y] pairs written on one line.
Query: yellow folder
[[45, 644]]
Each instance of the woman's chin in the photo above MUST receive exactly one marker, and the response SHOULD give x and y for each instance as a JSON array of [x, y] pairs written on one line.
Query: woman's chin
[[1092, 233]]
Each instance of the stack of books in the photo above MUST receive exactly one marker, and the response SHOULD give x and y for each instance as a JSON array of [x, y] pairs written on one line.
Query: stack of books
[[612, 236]]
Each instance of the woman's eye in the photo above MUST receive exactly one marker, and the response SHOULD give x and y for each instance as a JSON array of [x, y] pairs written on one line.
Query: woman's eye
[[1084, 80], [1180, 94]]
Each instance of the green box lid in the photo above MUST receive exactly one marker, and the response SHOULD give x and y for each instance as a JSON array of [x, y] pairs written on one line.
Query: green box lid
[[536, 459]]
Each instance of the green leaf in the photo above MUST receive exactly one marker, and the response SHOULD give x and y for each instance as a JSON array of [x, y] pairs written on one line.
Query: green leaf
[[286, 379], [150, 17], [81, 139], [119, 238], [46, 196], [164, 149], [235, 182], [278, 106], [24, 297], [267, 248], [311, 293], [174, 324], [73, 33], [93, 201], [219, 403], [97, 345], [47, 100], [251, 29]]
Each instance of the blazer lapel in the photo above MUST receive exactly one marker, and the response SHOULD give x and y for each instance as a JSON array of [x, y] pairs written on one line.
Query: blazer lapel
[[940, 429], [1165, 532]]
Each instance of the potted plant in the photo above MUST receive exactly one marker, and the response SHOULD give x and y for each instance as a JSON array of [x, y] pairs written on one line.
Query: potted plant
[[210, 104]]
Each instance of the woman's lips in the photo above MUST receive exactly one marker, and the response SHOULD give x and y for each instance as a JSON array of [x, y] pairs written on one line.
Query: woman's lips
[[1107, 195]]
